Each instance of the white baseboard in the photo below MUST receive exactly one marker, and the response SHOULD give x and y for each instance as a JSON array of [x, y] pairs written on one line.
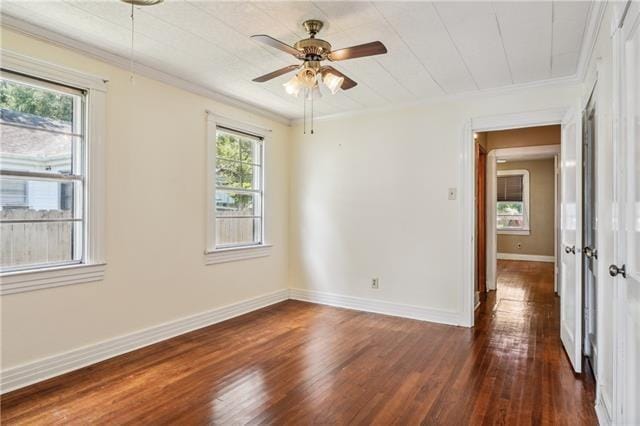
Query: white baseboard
[[602, 412], [527, 257], [26, 374], [376, 306]]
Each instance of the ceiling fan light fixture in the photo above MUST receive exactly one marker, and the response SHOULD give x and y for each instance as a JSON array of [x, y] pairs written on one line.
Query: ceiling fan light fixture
[[293, 86], [307, 77], [333, 82]]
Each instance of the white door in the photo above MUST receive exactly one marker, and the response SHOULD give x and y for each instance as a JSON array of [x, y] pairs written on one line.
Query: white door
[[570, 235], [627, 247]]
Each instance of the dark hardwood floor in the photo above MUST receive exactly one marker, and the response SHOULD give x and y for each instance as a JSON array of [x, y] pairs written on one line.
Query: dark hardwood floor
[[300, 363]]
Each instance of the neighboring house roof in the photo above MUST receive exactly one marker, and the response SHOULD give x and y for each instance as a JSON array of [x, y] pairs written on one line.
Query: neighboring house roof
[[34, 140]]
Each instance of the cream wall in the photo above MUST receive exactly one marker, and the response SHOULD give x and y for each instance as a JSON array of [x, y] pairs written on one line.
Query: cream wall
[[369, 199], [540, 240], [155, 221]]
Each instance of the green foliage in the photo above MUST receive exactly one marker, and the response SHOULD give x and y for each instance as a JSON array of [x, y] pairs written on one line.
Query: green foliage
[[510, 208], [30, 100], [235, 169], [235, 160]]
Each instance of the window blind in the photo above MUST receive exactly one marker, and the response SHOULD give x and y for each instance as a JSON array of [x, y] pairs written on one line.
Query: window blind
[[510, 188]]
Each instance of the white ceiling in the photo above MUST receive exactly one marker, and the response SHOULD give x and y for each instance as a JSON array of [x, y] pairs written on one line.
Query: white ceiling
[[435, 49]]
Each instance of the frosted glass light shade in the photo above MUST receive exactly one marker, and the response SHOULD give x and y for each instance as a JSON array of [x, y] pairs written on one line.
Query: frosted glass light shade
[[293, 86], [333, 82]]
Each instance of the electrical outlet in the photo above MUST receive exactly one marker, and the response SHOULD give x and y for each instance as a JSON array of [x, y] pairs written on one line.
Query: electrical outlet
[[375, 283]]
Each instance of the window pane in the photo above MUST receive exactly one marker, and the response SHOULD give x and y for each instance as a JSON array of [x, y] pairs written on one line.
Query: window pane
[[24, 197], [37, 244], [38, 151], [235, 204], [510, 208], [227, 146], [232, 231], [233, 174], [36, 102], [510, 214]]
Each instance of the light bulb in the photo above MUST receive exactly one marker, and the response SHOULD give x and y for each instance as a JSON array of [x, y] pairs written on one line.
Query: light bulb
[[307, 77], [293, 86], [333, 82]]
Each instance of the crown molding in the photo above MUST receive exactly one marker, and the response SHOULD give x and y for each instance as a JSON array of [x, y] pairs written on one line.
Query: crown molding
[[559, 82], [53, 37], [590, 36], [594, 22]]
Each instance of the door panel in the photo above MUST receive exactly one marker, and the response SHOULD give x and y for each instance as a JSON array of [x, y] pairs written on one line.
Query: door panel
[[628, 302], [570, 230]]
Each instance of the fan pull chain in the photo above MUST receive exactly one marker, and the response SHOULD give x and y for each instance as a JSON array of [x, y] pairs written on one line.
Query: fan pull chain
[[311, 111], [304, 117], [131, 78]]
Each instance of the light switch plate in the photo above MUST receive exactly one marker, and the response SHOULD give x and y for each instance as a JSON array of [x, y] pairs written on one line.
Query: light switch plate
[[453, 193]]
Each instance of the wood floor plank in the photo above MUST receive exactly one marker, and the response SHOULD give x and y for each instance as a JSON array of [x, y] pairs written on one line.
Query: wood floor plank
[[299, 363]]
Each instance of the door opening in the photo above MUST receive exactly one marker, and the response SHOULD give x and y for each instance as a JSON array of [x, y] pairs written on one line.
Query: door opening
[[590, 252]]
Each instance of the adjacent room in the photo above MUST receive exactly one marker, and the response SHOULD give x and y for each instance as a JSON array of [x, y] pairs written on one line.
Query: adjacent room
[[319, 212]]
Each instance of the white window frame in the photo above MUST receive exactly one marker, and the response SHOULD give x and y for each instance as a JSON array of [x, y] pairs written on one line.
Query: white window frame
[[92, 268], [526, 228], [214, 254]]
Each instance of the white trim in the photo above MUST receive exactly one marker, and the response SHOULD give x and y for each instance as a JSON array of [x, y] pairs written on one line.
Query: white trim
[[214, 254], [590, 37], [94, 257], [42, 369], [602, 412], [236, 253], [32, 67], [518, 120], [19, 282], [467, 193], [377, 306], [513, 232], [526, 257], [560, 82], [466, 203], [528, 152], [58, 39]]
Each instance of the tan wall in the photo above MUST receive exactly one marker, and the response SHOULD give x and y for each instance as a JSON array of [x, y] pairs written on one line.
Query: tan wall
[[541, 203], [155, 221], [531, 136]]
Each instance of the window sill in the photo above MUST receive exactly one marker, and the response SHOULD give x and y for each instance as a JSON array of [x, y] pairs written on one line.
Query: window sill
[[236, 253], [23, 281], [514, 231]]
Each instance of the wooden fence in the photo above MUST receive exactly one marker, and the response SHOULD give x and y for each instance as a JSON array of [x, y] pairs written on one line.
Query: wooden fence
[[35, 243]]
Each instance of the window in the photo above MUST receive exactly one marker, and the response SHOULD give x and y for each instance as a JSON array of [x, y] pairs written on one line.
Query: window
[[512, 201], [50, 218], [236, 212]]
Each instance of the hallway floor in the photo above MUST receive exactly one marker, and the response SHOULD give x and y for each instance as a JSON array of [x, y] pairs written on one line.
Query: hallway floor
[[300, 363]]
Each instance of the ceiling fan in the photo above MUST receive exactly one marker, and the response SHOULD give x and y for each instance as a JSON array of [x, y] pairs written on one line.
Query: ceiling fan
[[312, 51]]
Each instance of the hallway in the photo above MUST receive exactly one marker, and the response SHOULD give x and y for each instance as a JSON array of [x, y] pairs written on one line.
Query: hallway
[[530, 377], [297, 362]]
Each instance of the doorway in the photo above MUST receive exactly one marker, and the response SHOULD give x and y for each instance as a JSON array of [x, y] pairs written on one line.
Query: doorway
[[589, 251]]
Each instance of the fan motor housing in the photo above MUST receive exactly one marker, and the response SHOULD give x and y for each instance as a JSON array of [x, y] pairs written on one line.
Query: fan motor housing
[[313, 48]]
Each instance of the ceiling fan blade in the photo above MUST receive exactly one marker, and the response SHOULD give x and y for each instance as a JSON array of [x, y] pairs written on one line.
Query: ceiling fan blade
[[368, 49], [270, 41], [275, 73], [346, 84]]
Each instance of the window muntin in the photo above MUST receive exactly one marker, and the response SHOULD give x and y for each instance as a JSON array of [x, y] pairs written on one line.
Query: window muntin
[[238, 189], [512, 201], [42, 152]]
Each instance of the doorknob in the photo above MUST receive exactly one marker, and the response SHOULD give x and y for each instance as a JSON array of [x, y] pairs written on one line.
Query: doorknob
[[590, 253], [614, 270], [571, 249]]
